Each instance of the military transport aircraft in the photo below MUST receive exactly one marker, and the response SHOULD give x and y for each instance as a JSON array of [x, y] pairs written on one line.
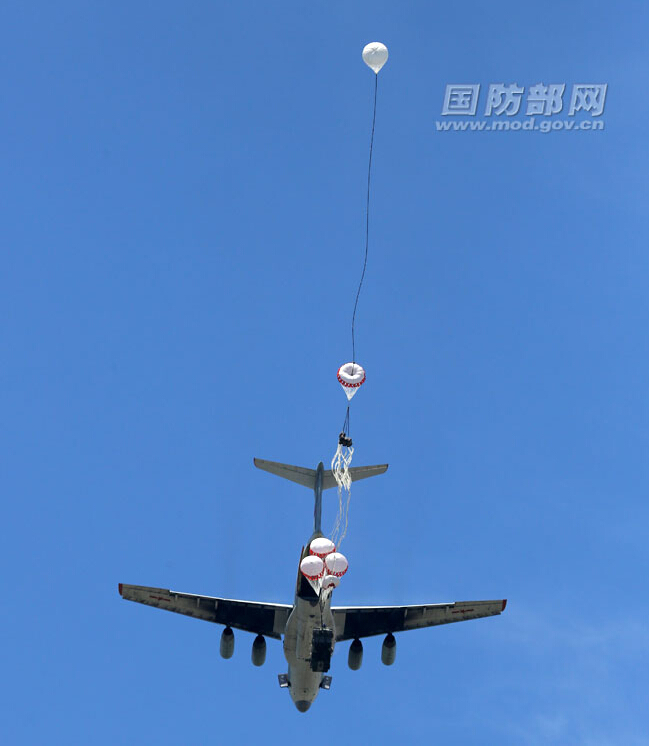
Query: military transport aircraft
[[310, 626]]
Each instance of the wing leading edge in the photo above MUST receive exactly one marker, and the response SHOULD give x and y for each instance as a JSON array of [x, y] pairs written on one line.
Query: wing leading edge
[[250, 616], [364, 621]]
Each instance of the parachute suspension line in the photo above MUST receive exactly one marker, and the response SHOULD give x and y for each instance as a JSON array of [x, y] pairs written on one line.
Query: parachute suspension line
[[367, 219], [345, 430], [340, 470]]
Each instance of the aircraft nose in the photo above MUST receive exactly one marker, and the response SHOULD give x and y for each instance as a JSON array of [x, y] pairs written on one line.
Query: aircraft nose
[[303, 705]]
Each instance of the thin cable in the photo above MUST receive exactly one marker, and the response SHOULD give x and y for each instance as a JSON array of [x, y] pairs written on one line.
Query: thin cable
[[346, 423], [367, 220]]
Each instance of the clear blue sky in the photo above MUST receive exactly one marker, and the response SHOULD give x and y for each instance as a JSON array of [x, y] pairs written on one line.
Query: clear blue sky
[[182, 233]]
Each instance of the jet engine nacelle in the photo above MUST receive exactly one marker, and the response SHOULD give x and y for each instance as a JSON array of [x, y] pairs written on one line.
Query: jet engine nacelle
[[227, 643], [389, 650], [355, 658], [258, 651]]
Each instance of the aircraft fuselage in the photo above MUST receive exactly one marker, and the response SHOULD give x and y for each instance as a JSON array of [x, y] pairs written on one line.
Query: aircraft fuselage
[[309, 638], [309, 616]]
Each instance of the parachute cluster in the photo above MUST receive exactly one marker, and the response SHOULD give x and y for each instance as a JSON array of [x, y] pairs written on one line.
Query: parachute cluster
[[324, 566]]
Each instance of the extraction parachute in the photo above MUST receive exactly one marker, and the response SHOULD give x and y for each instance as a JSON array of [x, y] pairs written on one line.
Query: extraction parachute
[[351, 376]]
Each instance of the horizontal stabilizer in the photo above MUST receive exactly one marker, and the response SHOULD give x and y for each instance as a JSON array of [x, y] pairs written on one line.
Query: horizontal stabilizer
[[356, 473], [306, 477], [297, 474]]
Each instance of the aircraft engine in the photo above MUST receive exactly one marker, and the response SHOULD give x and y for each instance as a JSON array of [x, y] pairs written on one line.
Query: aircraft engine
[[227, 643], [355, 658], [258, 651], [389, 650]]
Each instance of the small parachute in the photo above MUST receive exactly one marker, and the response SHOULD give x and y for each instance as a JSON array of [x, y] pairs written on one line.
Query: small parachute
[[312, 567], [351, 376], [322, 547], [336, 564], [375, 55]]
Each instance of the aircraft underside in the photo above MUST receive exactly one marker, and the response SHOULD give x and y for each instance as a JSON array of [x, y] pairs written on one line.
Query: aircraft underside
[[308, 645], [310, 626]]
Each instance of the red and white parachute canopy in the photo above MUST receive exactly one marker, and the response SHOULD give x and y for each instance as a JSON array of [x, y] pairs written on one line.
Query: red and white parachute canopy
[[324, 566], [351, 377], [321, 547], [336, 564], [312, 567]]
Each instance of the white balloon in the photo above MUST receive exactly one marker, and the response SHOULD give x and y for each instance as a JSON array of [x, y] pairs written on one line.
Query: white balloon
[[375, 55], [330, 581]]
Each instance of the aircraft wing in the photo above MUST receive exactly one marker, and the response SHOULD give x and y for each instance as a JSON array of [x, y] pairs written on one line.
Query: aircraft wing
[[251, 616], [352, 622]]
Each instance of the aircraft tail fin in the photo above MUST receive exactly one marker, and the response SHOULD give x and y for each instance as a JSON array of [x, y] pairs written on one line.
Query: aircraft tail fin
[[316, 479]]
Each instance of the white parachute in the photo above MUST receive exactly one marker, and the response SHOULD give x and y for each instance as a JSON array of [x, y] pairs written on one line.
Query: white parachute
[[312, 567], [330, 581], [336, 564], [322, 547]]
